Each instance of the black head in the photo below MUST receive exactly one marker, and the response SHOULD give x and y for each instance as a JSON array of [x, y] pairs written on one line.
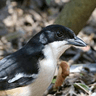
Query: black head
[[55, 37], [54, 33]]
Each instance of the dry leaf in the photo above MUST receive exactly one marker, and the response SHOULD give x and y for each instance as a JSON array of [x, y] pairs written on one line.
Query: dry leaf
[[63, 72]]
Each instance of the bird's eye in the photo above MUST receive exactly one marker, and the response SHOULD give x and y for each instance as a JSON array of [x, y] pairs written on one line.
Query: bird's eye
[[59, 34]]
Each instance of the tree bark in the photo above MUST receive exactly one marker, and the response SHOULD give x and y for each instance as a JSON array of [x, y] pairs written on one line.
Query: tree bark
[[75, 14]]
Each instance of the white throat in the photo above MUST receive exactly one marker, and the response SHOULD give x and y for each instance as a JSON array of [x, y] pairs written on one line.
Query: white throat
[[58, 48]]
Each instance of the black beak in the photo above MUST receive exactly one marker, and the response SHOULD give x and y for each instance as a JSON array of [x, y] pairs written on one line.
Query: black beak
[[77, 42]]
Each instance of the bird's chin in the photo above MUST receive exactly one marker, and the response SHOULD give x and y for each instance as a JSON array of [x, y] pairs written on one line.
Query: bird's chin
[[62, 49]]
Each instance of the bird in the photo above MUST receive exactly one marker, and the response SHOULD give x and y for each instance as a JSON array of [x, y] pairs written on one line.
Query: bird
[[30, 70]]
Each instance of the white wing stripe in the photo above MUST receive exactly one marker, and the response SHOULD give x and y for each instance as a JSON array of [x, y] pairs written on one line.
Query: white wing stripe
[[3, 78], [20, 75]]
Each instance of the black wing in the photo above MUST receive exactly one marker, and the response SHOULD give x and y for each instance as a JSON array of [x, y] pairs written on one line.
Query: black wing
[[18, 69]]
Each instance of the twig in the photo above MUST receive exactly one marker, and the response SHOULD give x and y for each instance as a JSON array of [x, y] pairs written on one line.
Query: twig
[[75, 58]]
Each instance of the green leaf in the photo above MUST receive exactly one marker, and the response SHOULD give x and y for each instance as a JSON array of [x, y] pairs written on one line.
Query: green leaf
[[54, 80], [82, 86]]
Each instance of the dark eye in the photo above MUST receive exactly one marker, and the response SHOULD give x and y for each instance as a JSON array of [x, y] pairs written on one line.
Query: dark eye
[[59, 34]]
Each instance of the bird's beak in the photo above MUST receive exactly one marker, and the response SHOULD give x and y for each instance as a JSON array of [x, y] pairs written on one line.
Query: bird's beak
[[77, 42]]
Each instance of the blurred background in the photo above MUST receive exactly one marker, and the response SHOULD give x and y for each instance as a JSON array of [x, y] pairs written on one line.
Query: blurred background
[[20, 20]]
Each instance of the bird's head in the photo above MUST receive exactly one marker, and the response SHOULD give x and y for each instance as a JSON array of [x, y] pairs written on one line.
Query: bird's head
[[59, 38], [59, 33]]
